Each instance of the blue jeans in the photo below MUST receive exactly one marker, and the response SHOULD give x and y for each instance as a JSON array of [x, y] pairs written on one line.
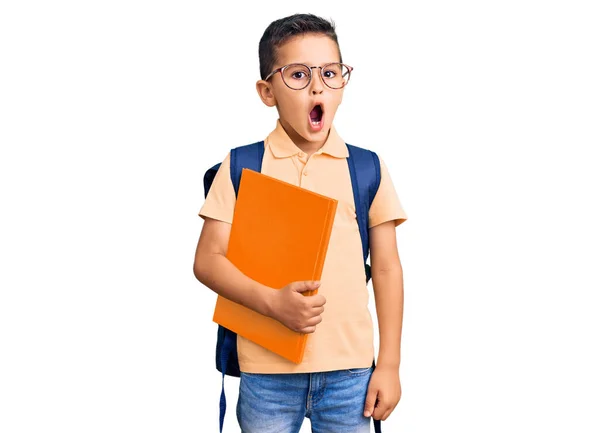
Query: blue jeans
[[334, 401]]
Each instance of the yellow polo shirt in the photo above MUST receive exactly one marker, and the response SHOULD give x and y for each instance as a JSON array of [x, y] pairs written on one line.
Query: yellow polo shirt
[[344, 338]]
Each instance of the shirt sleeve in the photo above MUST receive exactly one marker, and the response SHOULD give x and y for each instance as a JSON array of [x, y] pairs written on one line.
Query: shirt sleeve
[[386, 205], [220, 201]]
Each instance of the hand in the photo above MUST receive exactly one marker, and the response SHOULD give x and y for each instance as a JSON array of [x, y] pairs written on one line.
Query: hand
[[383, 393], [297, 311]]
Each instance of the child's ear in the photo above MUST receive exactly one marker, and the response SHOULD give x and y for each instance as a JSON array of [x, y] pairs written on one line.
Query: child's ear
[[266, 93]]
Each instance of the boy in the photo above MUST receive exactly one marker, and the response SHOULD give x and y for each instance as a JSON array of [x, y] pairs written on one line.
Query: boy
[[303, 76]]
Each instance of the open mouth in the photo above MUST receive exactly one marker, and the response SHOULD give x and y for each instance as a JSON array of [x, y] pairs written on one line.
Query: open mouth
[[316, 117]]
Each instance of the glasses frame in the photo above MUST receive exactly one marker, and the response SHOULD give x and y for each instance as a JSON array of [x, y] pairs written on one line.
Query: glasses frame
[[310, 68]]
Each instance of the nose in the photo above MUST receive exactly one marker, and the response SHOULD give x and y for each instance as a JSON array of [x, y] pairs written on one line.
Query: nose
[[316, 84]]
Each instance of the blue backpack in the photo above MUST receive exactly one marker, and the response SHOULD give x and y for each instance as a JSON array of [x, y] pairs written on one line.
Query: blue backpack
[[365, 175]]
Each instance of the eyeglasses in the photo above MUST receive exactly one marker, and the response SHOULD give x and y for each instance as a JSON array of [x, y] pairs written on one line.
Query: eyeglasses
[[297, 75]]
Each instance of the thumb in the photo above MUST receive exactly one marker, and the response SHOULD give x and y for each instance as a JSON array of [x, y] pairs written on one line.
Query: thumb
[[303, 286], [370, 402]]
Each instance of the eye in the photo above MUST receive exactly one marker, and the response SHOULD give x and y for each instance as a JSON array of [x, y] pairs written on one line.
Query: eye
[[298, 75], [329, 73]]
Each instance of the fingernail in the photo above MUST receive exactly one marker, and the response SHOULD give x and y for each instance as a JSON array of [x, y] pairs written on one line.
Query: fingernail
[[367, 413], [317, 283]]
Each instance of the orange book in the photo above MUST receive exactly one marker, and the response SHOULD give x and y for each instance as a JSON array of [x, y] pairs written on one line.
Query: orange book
[[279, 234]]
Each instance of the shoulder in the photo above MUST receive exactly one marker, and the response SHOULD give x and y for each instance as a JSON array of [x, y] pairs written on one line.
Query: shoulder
[[362, 155], [359, 149], [242, 149], [251, 146], [364, 162]]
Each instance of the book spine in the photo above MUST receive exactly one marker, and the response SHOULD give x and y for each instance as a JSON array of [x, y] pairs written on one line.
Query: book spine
[[324, 242], [319, 263]]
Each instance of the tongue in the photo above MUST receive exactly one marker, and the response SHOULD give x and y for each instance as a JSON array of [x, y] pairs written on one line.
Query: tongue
[[315, 114]]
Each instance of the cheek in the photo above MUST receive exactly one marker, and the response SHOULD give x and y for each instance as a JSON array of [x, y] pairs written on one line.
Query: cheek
[[293, 109], [335, 102], [285, 102]]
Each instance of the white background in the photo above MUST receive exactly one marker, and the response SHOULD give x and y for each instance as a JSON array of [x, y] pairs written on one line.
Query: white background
[[486, 113]]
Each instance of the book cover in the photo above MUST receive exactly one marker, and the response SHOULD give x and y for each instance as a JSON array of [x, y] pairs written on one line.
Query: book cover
[[279, 234]]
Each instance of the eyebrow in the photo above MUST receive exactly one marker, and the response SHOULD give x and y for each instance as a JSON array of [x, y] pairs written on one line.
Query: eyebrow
[[308, 63]]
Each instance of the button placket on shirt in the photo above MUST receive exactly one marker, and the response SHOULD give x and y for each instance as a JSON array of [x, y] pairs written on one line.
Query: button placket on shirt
[[304, 171], [302, 157]]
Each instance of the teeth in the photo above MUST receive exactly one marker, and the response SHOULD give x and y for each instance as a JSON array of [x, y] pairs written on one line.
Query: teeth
[[315, 122]]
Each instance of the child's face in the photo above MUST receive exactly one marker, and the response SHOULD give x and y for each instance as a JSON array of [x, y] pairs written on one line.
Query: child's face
[[295, 106]]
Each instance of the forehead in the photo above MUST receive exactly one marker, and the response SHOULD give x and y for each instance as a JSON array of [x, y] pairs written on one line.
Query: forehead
[[313, 49]]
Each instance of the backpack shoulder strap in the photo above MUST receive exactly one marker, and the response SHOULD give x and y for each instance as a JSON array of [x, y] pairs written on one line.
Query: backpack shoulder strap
[[248, 156], [365, 174], [209, 176]]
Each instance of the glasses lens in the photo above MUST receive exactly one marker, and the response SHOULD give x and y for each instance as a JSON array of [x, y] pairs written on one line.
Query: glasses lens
[[296, 76], [336, 75]]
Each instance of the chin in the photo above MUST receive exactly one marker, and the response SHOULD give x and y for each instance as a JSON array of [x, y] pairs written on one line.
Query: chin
[[317, 135], [304, 131]]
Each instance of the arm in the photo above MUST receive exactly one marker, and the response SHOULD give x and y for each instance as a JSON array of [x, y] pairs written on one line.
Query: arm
[[388, 287], [384, 389], [286, 305], [213, 269]]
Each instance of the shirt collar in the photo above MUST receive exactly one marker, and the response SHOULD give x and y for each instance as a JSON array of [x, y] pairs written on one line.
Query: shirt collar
[[282, 145]]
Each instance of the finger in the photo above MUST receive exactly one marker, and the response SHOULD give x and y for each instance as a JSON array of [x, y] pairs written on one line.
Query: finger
[[314, 321], [308, 330], [391, 409], [394, 407], [382, 410], [314, 311], [377, 413], [370, 401], [389, 412], [317, 310], [386, 414], [317, 301], [304, 286]]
